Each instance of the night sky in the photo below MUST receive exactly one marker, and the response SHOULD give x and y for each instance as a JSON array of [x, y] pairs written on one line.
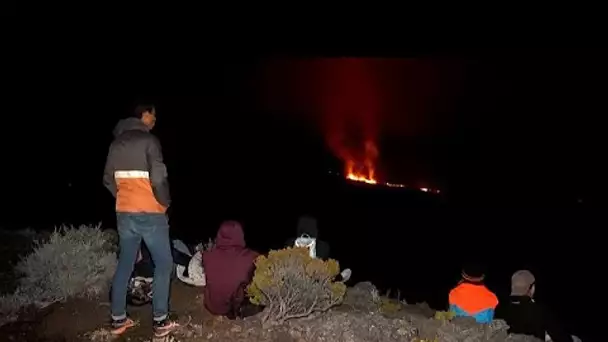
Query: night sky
[[492, 124]]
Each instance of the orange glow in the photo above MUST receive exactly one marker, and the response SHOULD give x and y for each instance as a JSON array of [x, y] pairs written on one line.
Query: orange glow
[[364, 171], [365, 176]]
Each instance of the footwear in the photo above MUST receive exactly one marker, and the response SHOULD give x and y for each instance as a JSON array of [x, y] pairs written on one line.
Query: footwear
[[121, 325], [164, 327]]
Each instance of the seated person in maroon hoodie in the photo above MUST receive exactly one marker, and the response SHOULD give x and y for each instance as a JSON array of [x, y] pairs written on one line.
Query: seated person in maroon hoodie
[[229, 268]]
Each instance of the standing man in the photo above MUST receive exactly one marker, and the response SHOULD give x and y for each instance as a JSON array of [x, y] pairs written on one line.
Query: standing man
[[137, 177]]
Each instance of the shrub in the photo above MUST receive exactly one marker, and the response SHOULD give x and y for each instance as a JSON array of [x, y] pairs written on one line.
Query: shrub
[[73, 262], [291, 284], [445, 315]]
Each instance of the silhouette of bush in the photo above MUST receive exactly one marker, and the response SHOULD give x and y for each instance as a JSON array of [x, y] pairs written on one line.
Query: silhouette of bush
[[291, 284], [72, 262]]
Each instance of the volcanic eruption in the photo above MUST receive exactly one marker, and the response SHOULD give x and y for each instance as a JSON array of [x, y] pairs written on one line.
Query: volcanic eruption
[[355, 102]]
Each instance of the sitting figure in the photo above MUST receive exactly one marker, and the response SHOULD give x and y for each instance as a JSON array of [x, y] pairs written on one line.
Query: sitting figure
[[471, 298], [229, 268], [525, 316], [188, 267], [308, 237]]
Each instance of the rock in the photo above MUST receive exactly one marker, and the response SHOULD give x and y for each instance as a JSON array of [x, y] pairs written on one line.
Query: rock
[[402, 331], [421, 309], [362, 297]]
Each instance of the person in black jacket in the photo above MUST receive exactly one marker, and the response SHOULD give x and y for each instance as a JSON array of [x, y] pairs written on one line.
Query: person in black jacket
[[307, 227], [308, 236], [525, 316]]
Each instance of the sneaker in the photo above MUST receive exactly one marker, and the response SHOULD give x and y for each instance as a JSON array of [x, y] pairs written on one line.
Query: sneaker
[[346, 274], [121, 325], [164, 327]]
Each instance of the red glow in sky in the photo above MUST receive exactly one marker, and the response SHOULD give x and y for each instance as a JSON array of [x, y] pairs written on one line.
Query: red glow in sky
[[357, 102]]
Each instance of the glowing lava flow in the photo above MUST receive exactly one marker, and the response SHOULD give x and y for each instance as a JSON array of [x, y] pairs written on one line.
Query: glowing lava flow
[[359, 176], [365, 172]]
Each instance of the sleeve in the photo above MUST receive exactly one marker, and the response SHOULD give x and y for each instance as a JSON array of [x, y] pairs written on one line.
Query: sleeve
[[158, 173], [108, 174]]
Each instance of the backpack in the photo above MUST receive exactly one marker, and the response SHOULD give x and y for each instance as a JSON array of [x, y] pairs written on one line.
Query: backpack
[[308, 242], [139, 291]]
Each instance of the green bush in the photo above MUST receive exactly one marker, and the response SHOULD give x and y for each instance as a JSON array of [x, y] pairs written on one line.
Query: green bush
[[291, 284], [73, 262], [445, 315]]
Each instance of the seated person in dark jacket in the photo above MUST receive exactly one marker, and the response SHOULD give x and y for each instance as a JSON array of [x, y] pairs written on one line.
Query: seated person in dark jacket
[[308, 236], [525, 316], [229, 267]]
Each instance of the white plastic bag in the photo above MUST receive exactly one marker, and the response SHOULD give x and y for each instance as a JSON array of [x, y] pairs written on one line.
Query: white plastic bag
[[196, 273], [308, 242]]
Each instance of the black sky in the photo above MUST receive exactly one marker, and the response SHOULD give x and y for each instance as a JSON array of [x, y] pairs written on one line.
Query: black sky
[[526, 124]]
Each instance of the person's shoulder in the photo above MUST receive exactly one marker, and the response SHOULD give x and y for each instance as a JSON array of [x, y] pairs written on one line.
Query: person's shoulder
[[250, 251], [251, 254], [135, 136], [455, 289], [490, 294], [323, 249], [205, 255], [148, 140], [148, 137], [323, 242]]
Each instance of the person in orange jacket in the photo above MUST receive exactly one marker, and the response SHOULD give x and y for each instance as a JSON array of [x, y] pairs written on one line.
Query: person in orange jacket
[[471, 298]]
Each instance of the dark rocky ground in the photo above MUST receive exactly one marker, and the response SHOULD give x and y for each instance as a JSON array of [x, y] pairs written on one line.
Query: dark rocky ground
[[362, 317]]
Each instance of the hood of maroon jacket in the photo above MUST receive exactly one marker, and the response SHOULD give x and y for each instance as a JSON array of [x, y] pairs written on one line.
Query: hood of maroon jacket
[[228, 268]]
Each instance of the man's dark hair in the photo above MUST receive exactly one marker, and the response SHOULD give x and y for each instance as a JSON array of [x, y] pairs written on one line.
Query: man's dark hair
[[141, 109]]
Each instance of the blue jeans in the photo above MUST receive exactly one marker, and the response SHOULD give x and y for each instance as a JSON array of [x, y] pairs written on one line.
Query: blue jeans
[[154, 230]]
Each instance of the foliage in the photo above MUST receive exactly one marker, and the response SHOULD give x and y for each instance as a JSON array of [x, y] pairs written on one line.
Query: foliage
[[445, 315], [291, 284], [73, 262]]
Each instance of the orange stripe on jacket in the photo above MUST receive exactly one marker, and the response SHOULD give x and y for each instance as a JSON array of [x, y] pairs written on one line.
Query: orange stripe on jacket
[[135, 193], [473, 298]]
